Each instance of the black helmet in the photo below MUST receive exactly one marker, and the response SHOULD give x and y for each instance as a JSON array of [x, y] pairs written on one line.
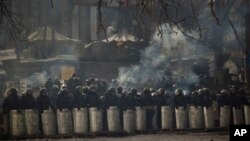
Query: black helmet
[[133, 90], [78, 89], [152, 90], [92, 88], [161, 91], [65, 91], [224, 92], [178, 92], [12, 91], [146, 91], [112, 90], [200, 92], [85, 89], [64, 86], [43, 92], [119, 89], [194, 93], [154, 94], [55, 86]]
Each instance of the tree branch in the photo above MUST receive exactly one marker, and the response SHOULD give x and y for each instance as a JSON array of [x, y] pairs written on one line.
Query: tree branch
[[52, 4], [236, 34]]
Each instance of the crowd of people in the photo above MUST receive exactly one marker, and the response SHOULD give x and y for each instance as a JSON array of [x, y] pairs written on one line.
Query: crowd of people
[[94, 93]]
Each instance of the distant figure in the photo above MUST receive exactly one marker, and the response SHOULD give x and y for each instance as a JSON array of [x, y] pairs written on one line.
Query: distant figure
[[111, 98], [76, 82], [53, 94], [43, 101], [179, 99], [92, 98], [223, 99], [208, 99], [12, 101], [243, 98], [70, 82], [235, 99], [28, 100], [146, 98], [85, 90], [64, 100], [80, 100], [120, 90], [147, 102], [192, 99], [49, 84], [57, 82]]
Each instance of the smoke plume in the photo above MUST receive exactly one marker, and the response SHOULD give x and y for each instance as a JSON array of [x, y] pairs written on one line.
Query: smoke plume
[[158, 58]]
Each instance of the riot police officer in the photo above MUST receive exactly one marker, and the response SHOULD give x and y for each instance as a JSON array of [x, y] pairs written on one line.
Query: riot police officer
[[192, 99], [92, 98], [147, 102], [223, 99], [53, 94], [12, 101], [200, 98], [235, 99], [64, 100], [79, 98], [179, 99], [207, 98], [43, 101], [28, 100], [120, 90], [111, 99]]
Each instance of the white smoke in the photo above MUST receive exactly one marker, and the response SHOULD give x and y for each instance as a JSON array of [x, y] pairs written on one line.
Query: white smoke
[[156, 58]]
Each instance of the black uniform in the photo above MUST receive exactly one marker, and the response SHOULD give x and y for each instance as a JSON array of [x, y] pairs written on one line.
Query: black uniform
[[49, 84], [242, 96], [111, 99], [208, 100], [53, 94], [147, 101], [12, 101], [180, 101], [28, 101], [57, 82], [43, 101], [80, 100], [64, 100], [223, 100], [235, 100], [93, 99]]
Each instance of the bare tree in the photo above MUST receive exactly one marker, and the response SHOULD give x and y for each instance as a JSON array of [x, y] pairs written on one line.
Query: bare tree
[[176, 13], [13, 25]]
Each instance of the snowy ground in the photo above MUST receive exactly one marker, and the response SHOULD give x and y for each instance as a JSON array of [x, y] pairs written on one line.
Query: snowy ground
[[222, 136]]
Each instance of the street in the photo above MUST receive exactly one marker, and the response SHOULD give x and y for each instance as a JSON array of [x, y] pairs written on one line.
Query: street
[[214, 136]]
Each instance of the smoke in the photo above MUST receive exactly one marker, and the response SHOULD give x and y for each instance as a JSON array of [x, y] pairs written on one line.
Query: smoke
[[158, 59], [37, 79]]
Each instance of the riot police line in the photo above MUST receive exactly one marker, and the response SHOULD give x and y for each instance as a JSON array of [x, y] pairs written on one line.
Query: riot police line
[[87, 120], [117, 113]]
